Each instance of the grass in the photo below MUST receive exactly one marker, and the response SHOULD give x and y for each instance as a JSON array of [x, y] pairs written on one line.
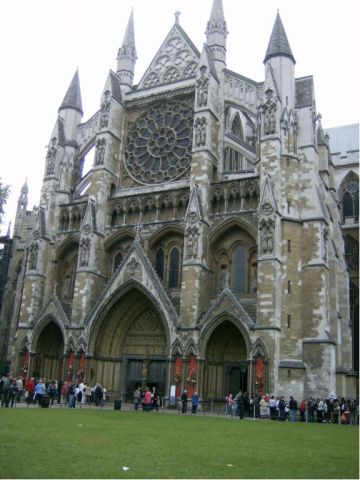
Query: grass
[[62, 443]]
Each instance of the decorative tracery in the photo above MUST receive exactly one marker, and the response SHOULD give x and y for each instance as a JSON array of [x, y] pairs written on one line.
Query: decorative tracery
[[159, 144]]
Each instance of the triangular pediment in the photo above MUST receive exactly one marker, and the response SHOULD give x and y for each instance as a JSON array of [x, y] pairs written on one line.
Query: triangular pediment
[[226, 301], [267, 205], [177, 59], [54, 309], [136, 270]]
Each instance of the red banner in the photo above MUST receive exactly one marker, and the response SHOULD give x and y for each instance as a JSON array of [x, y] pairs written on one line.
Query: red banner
[[70, 372], [82, 365], [178, 375], [25, 365], [260, 376], [191, 377]]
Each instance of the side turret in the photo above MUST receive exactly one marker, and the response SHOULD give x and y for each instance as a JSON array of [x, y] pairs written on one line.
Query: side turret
[[216, 33], [126, 57]]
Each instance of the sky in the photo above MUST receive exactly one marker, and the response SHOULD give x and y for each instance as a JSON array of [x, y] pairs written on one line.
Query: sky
[[43, 42]]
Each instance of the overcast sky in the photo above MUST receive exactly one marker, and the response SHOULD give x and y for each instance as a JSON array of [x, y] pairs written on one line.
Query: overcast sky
[[42, 42]]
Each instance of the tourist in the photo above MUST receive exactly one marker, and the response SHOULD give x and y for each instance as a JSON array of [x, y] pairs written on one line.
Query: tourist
[[71, 395], [272, 405], [353, 407], [184, 401], [281, 407], [319, 410], [20, 386], [194, 402], [64, 393], [30, 388], [51, 391], [136, 398], [302, 410], [99, 398], [263, 407], [292, 408], [147, 402], [87, 392], [336, 410], [40, 391], [229, 405]]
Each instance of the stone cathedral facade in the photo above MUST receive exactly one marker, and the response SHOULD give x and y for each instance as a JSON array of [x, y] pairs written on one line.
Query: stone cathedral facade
[[203, 249]]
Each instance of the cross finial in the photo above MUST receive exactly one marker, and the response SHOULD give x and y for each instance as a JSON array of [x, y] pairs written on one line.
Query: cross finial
[[177, 16]]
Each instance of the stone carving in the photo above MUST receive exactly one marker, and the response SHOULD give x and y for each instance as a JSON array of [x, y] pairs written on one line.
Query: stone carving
[[100, 151], [50, 157], [267, 228], [171, 75], [266, 208], [200, 132], [202, 85], [105, 109], [133, 265], [269, 111], [84, 252], [86, 229], [225, 280], [33, 256], [192, 234], [152, 80]]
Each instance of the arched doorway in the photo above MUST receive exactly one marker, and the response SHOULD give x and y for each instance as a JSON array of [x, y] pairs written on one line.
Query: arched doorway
[[226, 366], [48, 361], [131, 348]]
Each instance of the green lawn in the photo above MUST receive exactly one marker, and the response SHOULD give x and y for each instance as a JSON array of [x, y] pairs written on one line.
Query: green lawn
[[62, 443]]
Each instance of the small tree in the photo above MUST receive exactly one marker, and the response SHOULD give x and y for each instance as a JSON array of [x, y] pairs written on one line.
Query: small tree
[[4, 194]]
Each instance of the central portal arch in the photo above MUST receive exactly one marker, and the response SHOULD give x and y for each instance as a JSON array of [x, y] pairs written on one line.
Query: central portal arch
[[226, 366], [131, 346]]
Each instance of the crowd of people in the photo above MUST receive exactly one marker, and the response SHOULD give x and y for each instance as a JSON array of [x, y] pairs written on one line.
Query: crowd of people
[[328, 410], [39, 390]]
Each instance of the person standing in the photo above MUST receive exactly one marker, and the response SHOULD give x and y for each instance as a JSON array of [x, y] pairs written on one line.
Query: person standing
[[194, 402], [136, 398], [292, 408], [302, 410], [40, 391], [229, 404], [147, 400], [184, 400], [71, 396], [98, 395]]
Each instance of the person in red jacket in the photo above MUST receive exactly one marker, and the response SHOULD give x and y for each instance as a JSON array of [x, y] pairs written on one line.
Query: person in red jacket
[[147, 400], [30, 388]]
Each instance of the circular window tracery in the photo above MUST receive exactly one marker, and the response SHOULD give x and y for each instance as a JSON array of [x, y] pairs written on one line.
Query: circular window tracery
[[158, 147]]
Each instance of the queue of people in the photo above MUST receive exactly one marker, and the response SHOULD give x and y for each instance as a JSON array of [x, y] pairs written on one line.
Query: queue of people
[[37, 390], [328, 410]]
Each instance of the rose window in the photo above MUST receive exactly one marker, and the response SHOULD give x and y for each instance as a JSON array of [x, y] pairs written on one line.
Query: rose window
[[159, 143]]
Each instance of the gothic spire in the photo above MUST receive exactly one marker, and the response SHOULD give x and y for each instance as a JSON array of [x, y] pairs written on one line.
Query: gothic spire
[[278, 44], [216, 32], [23, 198], [72, 97], [126, 57]]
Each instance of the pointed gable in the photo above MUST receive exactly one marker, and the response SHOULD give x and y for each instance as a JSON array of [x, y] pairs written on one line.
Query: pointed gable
[[177, 59], [137, 268]]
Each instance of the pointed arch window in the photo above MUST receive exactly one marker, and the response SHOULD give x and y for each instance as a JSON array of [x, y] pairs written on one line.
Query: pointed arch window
[[118, 259], [159, 263], [350, 198], [174, 268], [239, 270]]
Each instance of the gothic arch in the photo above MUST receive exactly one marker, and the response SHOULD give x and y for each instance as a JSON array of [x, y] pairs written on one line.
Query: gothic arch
[[259, 349], [231, 222], [81, 345], [39, 328], [70, 241], [191, 348], [209, 327], [70, 345], [167, 230], [176, 348], [349, 196], [138, 293]]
